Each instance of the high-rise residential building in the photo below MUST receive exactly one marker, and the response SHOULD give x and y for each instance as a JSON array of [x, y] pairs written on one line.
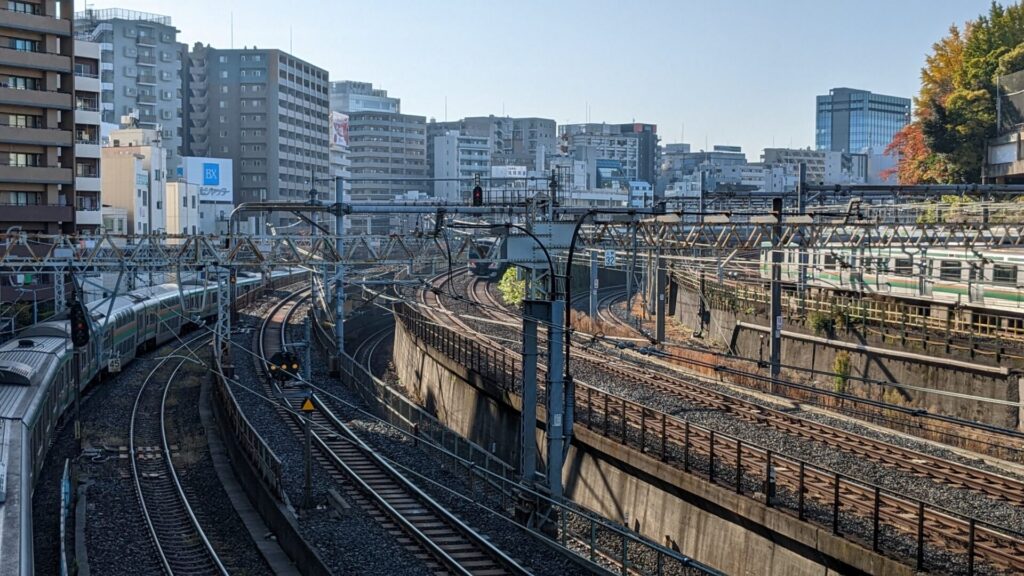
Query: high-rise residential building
[[823, 166], [381, 142], [88, 203], [647, 149], [142, 70], [855, 121], [352, 96], [390, 146], [37, 92], [266, 110], [635, 146], [514, 141], [458, 159]]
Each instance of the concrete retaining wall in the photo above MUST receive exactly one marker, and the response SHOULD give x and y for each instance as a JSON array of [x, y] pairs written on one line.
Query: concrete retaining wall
[[709, 523], [278, 518], [745, 334]]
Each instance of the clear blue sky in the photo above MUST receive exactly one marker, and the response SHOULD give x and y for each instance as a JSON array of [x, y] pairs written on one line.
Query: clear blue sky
[[733, 72]]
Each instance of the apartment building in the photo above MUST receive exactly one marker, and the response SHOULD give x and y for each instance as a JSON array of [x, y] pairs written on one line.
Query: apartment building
[[88, 92], [267, 111], [458, 159], [141, 70], [37, 97]]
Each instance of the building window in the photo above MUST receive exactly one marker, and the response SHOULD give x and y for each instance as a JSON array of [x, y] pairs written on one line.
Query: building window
[[23, 83], [159, 205], [23, 45], [24, 159], [184, 201], [24, 121], [20, 198], [1004, 274], [223, 60], [24, 7], [223, 73], [193, 202]]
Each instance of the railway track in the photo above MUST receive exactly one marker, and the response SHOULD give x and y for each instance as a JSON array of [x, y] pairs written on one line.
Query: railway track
[[693, 446], [925, 465], [181, 543], [418, 521]]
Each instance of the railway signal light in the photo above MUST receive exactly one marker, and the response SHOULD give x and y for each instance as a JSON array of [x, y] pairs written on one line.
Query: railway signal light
[[79, 324], [284, 366], [478, 196]]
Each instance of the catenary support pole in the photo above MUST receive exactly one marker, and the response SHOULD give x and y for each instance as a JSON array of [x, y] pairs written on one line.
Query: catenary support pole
[[776, 294], [534, 310], [801, 207], [339, 272], [661, 279], [556, 398], [593, 286]]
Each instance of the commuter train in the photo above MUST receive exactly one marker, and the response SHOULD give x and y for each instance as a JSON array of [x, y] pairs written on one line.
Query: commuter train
[[485, 260], [988, 278], [37, 382]]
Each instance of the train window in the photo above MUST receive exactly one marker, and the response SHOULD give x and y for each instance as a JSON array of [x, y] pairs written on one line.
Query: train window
[[830, 261], [974, 270], [1004, 274], [949, 270], [904, 266]]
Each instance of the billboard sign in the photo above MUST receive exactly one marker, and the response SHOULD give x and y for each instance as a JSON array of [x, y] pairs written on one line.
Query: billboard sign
[[339, 129], [213, 177]]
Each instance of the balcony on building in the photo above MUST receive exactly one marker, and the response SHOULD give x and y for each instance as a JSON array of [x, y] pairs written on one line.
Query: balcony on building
[[16, 96], [88, 211], [32, 18], [146, 60], [147, 98], [87, 77], [30, 58], [33, 207], [34, 136], [147, 79]]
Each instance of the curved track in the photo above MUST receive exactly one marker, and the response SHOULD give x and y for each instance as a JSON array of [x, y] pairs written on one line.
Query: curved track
[[450, 545], [181, 544], [637, 420]]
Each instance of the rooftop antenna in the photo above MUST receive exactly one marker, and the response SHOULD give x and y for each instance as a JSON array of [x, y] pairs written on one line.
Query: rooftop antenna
[[290, 49], [232, 30], [446, 108]]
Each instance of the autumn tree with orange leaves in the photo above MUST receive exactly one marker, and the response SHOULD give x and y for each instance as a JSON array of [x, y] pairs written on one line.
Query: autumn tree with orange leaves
[[955, 111]]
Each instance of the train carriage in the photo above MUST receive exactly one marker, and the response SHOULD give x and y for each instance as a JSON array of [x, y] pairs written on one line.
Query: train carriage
[[37, 382], [990, 279]]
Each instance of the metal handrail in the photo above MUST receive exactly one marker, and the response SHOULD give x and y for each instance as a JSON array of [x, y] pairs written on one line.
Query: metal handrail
[[444, 337]]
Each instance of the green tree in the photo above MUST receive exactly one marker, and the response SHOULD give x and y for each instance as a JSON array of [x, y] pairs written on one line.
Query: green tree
[[955, 110], [512, 289]]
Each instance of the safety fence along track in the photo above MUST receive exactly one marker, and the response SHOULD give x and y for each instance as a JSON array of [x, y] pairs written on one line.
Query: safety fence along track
[[445, 542], [927, 535], [181, 544]]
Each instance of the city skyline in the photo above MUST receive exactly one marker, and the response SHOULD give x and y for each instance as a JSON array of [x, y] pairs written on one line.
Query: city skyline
[[662, 74]]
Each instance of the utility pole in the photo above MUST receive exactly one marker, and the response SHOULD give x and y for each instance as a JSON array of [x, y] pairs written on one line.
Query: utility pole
[[776, 294]]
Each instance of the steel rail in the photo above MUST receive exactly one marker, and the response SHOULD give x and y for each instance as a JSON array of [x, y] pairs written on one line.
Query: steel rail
[[159, 539]]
